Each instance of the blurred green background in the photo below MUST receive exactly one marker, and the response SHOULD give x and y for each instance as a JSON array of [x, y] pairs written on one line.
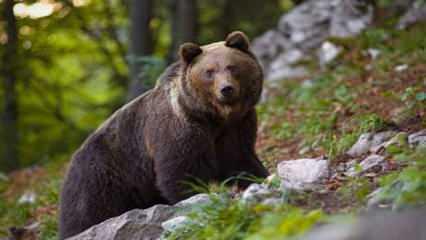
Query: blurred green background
[[73, 62]]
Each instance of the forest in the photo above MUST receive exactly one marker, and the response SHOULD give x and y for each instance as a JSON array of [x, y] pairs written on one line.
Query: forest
[[345, 85]]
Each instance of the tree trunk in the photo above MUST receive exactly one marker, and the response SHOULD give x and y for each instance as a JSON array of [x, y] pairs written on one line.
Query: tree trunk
[[184, 25], [226, 22], [10, 158], [141, 43]]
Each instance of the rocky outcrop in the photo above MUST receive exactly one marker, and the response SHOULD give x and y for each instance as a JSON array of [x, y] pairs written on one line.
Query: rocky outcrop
[[305, 29], [147, 224], [416, 13], [135, 224]]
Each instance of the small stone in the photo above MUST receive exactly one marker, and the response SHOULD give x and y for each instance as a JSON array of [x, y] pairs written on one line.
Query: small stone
[[304, 150], [368, 142], [28, 197], [256, 193], [303, 174], [401, 68], [417, 139], [399, 140], [373, 53], [367, 164], [381, 137], [328, 52], [362, 146]]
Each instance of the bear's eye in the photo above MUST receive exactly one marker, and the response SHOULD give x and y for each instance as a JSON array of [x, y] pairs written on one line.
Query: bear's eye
[[209, 73], [232, 69]]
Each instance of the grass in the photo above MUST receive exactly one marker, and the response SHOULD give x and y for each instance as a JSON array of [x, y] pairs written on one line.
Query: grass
[[45, 183], [327, 113], [229, 219]]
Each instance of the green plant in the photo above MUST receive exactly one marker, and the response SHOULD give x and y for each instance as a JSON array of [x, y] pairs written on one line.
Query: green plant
[[407, 187]]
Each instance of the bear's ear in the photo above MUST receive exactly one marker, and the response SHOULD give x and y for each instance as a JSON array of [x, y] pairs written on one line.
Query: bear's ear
[[238, 40], [188, 51]]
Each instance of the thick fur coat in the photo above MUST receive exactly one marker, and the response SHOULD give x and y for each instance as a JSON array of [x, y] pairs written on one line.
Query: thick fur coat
[[198, 122]]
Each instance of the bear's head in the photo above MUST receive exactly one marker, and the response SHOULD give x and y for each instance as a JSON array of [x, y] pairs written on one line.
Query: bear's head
[[222, 79]]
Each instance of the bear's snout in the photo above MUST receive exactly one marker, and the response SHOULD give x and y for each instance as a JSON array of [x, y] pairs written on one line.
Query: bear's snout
[[227, 92]]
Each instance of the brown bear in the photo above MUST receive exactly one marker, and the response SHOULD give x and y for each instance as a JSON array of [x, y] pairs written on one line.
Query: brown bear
[[199, 122]]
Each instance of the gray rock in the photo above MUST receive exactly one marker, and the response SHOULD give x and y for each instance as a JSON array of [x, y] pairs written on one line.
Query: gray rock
[[367, 164], [303, 30], [28, 197], [285, 72], [176, 223], [362, 145], [307, 25], [268, 46], [135, 224], [417, 13], [381, 137], [407, 225], [368, 142], [374, 53], [401, 68], [328, 52], [351, 17], [199, 199], [418, 138], [303, 174], [261, 193], [399, 139]]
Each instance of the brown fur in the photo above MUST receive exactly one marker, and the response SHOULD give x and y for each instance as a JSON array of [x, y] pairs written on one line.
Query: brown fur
[[178, 131]]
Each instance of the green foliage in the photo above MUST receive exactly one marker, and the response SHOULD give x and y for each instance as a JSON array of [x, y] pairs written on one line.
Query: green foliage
[[43, 210], [413, 97], [152, 67], [374, 38], [407, 187], [225, 218]]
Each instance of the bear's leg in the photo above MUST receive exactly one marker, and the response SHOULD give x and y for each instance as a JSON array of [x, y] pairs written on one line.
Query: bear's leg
[[181, 160], [91, 194], [236, 151]]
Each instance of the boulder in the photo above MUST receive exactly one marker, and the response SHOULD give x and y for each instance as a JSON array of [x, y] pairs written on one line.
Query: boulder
[[176, 223], [147, 224], [351, 17], [303, 174], [304, 29], [135, 224], [196, 200], [417, 13]]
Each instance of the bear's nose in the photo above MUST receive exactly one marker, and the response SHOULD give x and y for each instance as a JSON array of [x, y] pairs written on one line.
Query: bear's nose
[[227, 91]]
